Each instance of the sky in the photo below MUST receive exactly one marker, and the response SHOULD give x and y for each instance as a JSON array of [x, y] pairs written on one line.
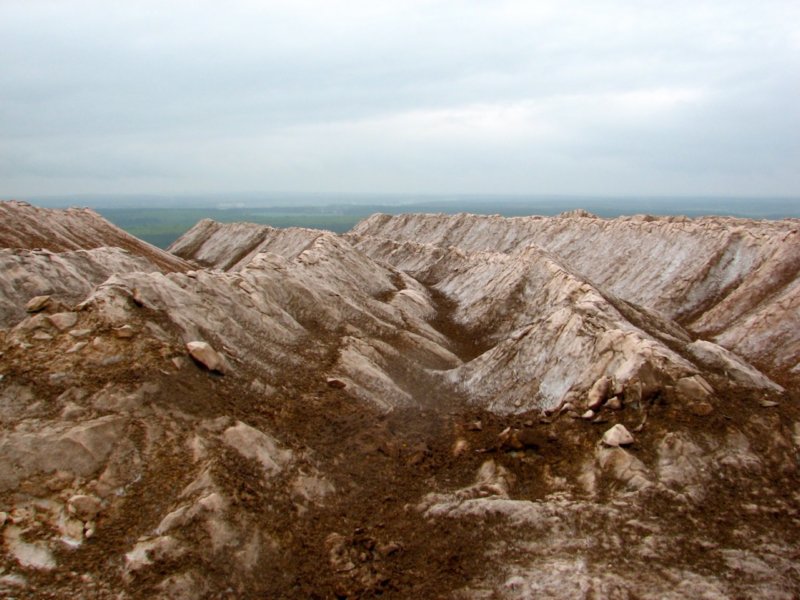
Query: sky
[[408, 97]]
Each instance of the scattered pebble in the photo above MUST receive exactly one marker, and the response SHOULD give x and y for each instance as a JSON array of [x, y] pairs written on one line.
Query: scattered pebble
[[701, 409], [112, 360], [460, 447], [80, 333], [125, 332], [77, 347], [509, 438]]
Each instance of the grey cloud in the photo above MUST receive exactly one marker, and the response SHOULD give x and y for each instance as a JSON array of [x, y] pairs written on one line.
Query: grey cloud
[[384, 96]]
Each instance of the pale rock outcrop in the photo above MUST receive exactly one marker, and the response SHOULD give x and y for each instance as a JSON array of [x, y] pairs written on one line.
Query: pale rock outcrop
[[64, 276], [63, 320], [598, 393], [34, 555], [569, 336], [80, 449], [203, 353], [693, 389], [623, 467], [153, 550], [712, 356], [492, 482]]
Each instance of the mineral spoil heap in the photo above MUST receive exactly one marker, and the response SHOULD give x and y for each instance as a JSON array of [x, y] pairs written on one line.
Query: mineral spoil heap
[[428, 406]]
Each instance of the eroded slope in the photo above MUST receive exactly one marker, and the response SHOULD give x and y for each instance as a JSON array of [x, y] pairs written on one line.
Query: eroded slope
[[25, 226], [733, 281], [357, 416]]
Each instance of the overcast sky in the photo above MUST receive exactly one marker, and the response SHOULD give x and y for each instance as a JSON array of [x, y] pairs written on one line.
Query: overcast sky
[[484, 96]]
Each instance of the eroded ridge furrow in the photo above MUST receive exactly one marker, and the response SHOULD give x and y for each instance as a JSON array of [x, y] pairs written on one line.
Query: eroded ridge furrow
[[354, 417]]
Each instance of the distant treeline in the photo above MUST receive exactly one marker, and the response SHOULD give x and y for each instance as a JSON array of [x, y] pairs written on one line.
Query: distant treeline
[[162, 226], [147, 218]]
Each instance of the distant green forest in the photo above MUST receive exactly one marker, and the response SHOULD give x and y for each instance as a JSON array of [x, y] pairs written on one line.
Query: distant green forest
[[162, 226], [161, 221]]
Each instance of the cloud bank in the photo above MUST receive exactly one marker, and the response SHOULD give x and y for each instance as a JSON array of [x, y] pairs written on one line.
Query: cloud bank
[[599, 97]]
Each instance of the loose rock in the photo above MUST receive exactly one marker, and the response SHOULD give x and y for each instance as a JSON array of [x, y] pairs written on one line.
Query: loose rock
[[460, 447], [125, 332], [701, 409], [509, 439], [694, 388], [203, 353], [37, 303], [77, 347], [618, 435], [80, 333]]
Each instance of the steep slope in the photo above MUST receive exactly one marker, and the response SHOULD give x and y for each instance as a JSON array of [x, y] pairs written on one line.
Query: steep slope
[[230, 246], [671, 264], [356, 416], [712, 275], [66, 276], [30, 227], [534, 318]]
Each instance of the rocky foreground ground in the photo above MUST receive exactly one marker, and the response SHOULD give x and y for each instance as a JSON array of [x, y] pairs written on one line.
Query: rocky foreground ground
[[427, 407]]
